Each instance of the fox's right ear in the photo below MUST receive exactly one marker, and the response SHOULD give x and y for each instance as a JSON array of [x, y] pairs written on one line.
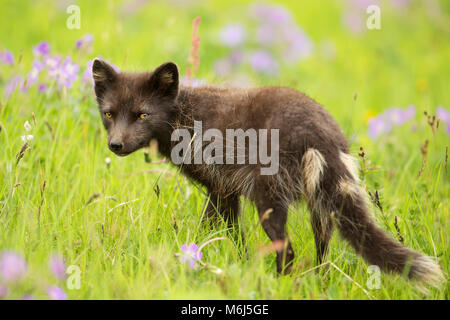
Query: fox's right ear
[[104, 75], [164, 80]]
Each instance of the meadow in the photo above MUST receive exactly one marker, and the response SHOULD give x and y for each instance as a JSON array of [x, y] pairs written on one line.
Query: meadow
[[119, 224]]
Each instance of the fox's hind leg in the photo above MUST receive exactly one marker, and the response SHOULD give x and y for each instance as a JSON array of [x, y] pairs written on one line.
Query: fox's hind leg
[[273, 217], [322, 226]]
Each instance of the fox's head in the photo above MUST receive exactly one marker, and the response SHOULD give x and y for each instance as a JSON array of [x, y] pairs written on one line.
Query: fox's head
[[135, 107]]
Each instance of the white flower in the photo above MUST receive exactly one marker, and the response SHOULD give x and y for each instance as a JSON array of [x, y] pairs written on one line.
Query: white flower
[[27, 138], [27, 126], [108, 160], [217, 271]]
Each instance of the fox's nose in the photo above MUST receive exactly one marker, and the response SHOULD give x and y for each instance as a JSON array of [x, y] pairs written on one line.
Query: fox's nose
[[116, 146]]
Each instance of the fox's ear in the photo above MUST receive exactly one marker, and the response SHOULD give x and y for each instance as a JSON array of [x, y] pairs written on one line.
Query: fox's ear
[[104, 75], [164, 80]]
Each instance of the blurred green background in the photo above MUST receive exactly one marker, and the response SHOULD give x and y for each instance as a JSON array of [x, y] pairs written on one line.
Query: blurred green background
[[322, 48]]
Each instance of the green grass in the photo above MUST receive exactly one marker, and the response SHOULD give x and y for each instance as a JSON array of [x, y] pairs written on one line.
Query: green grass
[[124, 240]]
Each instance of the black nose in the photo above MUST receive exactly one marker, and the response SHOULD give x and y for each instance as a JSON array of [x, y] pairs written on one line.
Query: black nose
[[116, 146]]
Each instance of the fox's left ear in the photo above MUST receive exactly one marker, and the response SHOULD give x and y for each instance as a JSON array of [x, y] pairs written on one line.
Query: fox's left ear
[[104, 75], [164, 80]]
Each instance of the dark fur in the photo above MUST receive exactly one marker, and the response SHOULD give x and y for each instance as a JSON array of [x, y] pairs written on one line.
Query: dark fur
[[304, 125]]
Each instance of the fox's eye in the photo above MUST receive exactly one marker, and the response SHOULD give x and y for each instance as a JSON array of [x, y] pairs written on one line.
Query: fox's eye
[[143, 116], [108, 115]]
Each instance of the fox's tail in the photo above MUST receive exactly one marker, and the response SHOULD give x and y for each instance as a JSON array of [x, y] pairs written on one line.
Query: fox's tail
[[339, 191], [375, 246]]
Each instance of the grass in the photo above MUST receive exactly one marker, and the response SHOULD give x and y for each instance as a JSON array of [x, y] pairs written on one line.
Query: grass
[[121, 223]]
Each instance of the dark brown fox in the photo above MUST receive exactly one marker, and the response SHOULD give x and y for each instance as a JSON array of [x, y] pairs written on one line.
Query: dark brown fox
[[314, 159]]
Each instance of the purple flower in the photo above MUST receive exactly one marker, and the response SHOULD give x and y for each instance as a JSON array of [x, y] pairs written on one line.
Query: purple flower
[[236, 57], [87, 75], [354, 17], [266, 34], [190, 254], [58, 266], [263, 62], [132, 6], [6, 57], [398, 116], [274, 14], [361, 4], [66, 74], [444, 115], [56, 293], [11, 87], [393, 116], [28, 296], [400, 4], [222, 67], [33, 75], [378, 126], [13, 266], [41, 49], [353, 21], [410, 112], [4, 291], [52, 64], [38, 65], [42, 87], [233, 35], [278, 30], [24, 85], [299, 44], [85, 41], [277, 25]]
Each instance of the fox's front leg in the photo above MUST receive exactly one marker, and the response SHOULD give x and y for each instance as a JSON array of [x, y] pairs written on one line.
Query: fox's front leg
[[224, 207]]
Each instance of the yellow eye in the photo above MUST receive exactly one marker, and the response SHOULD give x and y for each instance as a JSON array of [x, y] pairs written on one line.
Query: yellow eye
[[143, 116], [108, 115]]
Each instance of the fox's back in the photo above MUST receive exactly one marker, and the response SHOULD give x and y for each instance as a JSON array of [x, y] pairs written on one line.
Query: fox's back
[[302, 121]]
